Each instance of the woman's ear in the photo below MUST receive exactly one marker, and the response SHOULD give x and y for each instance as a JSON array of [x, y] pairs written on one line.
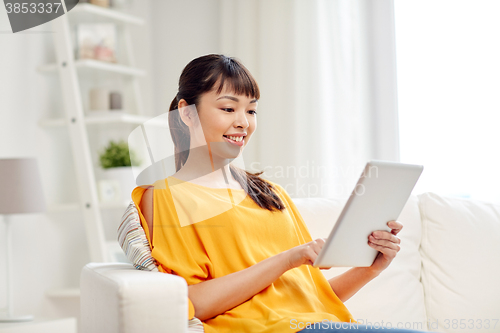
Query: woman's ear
[[186, 113]]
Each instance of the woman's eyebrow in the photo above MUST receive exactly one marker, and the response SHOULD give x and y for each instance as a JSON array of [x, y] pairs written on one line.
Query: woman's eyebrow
[[229, 97], [235, 99]]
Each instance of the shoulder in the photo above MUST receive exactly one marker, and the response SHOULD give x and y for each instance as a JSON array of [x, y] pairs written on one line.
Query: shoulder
[[277, 187], [146, 206], [148, 194]]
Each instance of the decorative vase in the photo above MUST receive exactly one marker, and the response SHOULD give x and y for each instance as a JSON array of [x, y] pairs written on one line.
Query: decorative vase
[[124, 176]]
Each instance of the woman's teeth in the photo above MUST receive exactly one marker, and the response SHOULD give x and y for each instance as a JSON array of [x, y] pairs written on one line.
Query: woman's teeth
[[235, 138]]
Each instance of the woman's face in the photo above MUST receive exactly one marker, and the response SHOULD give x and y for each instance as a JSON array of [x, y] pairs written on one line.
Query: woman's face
[[227, 121]]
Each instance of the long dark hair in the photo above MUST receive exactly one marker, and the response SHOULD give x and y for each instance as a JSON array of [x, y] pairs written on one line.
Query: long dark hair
[[198, 77]]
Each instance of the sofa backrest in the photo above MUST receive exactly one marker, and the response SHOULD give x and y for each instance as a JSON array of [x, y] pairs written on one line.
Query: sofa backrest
[[396, 297], [461, 263]]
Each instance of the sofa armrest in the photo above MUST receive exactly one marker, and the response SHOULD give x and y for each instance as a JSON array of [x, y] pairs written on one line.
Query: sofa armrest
[[117, 298]]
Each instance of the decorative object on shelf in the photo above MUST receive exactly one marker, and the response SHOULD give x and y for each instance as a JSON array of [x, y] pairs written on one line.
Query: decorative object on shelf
[[96, 41], [117, 154], [109, 190], [99, 99], [115, 100], [102, 3], [21, 192], [116, 161], [120, 4]]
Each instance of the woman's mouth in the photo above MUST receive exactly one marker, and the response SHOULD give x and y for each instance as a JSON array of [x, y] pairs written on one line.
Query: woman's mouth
[[237, 143]]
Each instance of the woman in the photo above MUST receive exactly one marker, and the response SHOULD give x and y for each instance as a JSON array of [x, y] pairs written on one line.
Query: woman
[[238, 240]]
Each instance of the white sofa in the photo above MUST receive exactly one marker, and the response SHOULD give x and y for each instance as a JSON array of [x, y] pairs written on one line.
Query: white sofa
[[445, 278]]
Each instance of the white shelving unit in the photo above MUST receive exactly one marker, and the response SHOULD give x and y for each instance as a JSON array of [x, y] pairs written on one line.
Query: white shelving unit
[[73, 74]]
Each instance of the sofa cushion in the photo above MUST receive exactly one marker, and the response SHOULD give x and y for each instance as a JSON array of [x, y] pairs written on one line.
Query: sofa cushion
[[133, 241], [396, 295], [461, 263]]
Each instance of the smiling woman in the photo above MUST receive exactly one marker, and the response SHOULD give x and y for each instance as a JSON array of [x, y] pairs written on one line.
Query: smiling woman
[[248, 265]]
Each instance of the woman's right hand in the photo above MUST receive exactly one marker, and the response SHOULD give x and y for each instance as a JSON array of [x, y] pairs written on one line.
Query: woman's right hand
[[304, 254]]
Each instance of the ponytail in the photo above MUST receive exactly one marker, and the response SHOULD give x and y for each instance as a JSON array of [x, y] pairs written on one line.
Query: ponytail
[[177, 131]]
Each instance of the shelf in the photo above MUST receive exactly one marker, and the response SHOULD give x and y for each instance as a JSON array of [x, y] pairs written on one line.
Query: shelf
[[107, 117], [100, 117], [96, 65], [59, 208], [42, 325], [85, 12], [72, 207], [114, 205], [63, 293]]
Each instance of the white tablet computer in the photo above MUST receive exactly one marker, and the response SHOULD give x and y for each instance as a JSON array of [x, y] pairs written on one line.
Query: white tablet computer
[[379, 197]]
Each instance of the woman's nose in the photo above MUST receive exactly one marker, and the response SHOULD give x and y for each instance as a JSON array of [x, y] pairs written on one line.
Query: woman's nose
[[241, 120]]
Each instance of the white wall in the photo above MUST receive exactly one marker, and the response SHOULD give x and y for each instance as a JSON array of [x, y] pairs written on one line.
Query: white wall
[[50, 249], [182, 31], [448, 90]]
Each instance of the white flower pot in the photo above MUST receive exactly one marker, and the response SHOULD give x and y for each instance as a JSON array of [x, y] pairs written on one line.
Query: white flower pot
[[122, 178]]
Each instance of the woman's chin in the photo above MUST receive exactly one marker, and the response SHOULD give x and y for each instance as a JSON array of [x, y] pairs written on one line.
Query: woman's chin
[[231, 156], [225, 149]]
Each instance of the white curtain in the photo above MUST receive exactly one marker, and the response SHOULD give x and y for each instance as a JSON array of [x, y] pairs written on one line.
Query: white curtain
[[326, 70]]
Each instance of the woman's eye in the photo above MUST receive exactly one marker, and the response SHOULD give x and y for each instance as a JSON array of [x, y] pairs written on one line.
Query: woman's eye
[[228, 110], [253, 111]]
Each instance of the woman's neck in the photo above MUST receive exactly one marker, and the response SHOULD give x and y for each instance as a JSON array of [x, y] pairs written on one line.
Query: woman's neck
[[212, 171]]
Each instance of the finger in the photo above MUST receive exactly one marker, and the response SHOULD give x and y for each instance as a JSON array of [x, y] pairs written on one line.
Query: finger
[[320, 241], [396, 226], [384, 243], [317, 245], [381, 234], [390, 253], [311, 255]]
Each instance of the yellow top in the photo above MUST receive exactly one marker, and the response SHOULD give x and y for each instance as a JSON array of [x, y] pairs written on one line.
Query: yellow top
[[241, 235]]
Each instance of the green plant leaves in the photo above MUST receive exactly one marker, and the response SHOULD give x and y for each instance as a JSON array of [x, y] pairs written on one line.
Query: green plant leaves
[[116, 154]]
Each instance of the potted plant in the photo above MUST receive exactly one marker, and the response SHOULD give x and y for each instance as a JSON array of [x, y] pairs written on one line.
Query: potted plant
[[117, 162]]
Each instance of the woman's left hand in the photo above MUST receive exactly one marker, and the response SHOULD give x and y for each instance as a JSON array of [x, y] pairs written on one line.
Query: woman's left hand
[[387, 243]]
